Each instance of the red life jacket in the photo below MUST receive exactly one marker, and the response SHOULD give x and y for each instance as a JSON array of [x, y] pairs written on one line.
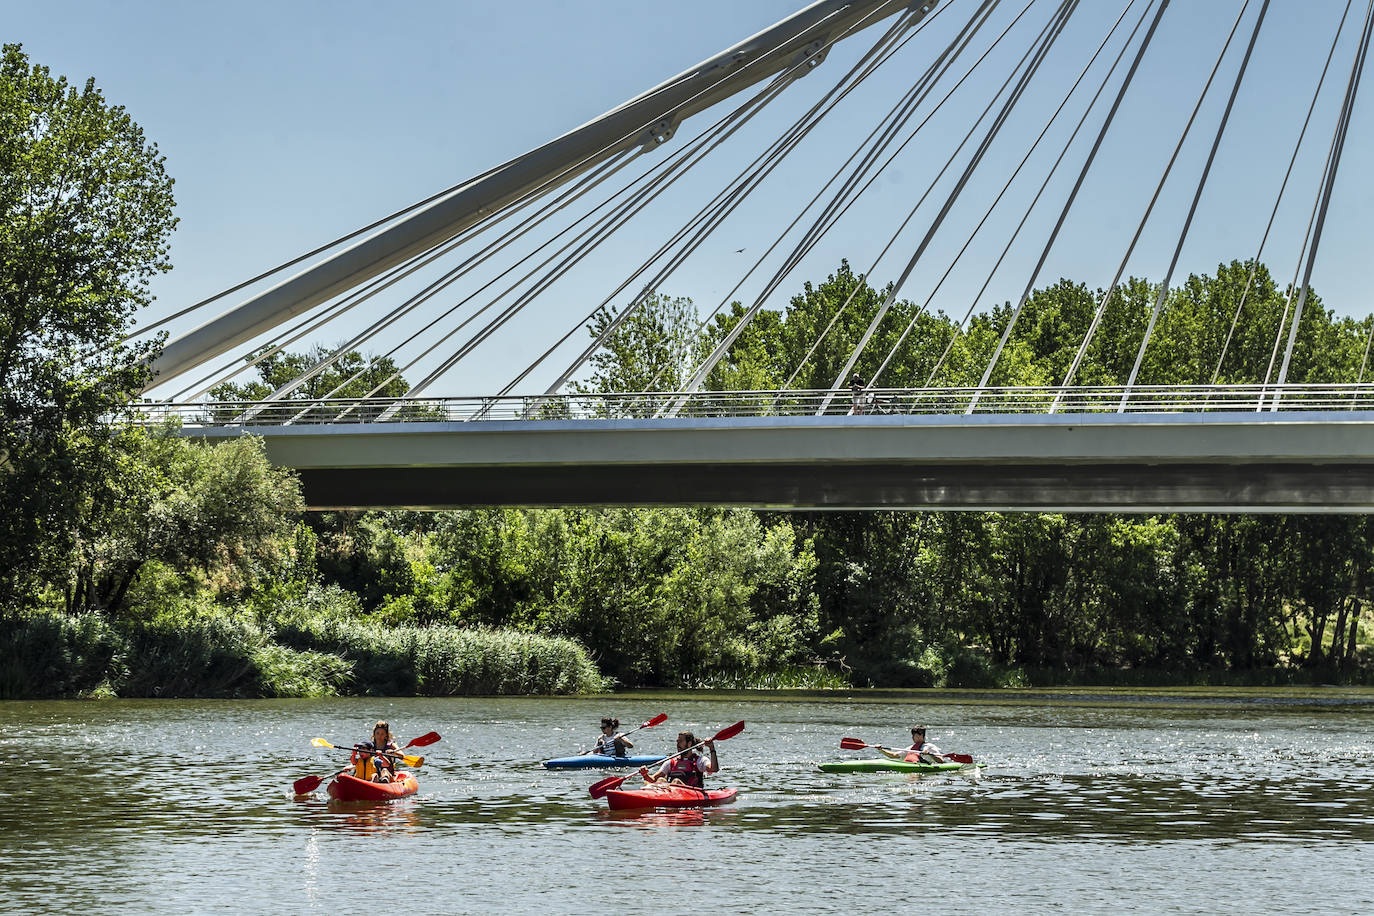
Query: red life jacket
[[688, 770]]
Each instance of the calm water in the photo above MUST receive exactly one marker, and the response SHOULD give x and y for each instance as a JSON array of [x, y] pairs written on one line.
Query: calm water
[[1193, 802]]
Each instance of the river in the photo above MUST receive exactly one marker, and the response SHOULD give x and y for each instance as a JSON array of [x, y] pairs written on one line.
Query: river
[[1168, 801]]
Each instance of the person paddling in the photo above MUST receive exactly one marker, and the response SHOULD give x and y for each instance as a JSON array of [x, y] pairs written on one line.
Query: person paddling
[[689, 769], [921, 750], [611, 743], [366, 762]]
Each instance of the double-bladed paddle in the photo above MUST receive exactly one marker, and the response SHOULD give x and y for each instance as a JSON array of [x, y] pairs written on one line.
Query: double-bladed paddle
[[311, 783], [656, 720], [404, 758], [854, 744], [599, 789]]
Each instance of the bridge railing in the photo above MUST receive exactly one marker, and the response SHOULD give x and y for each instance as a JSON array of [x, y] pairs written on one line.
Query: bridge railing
[[1158, 399]]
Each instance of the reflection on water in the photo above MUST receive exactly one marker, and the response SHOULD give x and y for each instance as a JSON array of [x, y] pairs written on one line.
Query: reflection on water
[[365, 817], [166, 806]]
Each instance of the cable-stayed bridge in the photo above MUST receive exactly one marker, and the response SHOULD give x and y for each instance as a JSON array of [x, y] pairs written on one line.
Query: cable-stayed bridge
[[1007, 132]]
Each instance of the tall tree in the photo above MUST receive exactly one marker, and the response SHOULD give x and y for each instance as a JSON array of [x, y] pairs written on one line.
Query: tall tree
[[654, 348], [85, 216]]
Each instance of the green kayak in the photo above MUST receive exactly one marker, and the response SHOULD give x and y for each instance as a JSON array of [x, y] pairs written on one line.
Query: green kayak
[[891, 766]]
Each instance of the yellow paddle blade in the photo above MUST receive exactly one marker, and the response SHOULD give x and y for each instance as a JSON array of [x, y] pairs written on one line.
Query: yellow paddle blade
[[320, 742], [412, 761]]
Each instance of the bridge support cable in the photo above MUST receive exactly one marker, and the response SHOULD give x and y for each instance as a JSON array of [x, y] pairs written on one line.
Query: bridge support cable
[[799, 131], [865, 171], [924, 86], [1040, 48], [1073, 195], [1328, 186], [1025, 217], [1197, 194], [1292, 293], [286, 265], [716, 210], [1283, 187], [396, 274], [309, 323], [911, 325], [582, 246], [1107, 294], [651, 117], [802, 66], [831, 218], [1364, 363], [586, 183], [654, 182]]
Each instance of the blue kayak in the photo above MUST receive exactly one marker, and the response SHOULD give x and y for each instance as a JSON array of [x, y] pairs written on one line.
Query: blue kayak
[[591, 761]]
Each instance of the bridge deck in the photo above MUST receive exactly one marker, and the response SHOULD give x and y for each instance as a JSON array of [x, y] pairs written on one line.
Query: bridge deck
[[1317, 461]]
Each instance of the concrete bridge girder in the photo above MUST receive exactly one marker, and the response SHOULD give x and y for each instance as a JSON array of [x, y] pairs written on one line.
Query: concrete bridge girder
[[1302, 462]]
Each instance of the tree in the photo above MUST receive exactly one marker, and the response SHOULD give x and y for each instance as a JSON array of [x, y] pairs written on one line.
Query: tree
[[85, 216], [216, 515], [654, 348], [350, 375]]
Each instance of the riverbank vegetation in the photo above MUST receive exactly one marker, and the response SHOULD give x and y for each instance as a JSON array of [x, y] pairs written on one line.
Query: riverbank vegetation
[[137, 562]]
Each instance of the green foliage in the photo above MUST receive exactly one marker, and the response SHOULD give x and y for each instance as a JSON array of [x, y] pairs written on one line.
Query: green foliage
[[85, 215], [345, 375], [662, 595], [652, 348], [216, 515]]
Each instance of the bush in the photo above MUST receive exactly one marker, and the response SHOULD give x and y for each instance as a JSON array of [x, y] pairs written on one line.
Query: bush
[[47, 655]]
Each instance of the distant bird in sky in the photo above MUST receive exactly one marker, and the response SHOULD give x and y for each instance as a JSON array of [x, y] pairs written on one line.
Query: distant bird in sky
[[739, 251]]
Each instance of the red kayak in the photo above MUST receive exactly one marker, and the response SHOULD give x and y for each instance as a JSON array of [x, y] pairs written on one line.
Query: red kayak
[[351, 788], [674, 796]]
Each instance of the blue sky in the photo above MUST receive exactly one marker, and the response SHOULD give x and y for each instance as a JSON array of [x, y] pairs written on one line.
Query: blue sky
[[288, 124]]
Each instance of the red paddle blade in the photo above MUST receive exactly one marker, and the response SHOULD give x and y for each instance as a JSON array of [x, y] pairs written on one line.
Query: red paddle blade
[[598, 789], [307, 785], [852, 744], [960, 758], [656, 720], [729, 732], [424, 740]]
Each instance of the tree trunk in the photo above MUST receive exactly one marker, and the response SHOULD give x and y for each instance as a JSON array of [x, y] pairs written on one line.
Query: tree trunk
[[1316, 631]]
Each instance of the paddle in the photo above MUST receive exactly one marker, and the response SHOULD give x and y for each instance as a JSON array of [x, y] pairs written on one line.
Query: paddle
[[404, 758], [656, 720], [599, 789], [854, 744], [310, 783]]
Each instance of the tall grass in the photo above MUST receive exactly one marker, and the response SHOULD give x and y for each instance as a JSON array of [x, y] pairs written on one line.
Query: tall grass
[[448, 661], [219, 652]]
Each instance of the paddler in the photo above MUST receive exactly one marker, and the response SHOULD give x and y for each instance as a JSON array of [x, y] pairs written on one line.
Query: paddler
[[366, 762], [688, 769], [921, 750], [611, 743]]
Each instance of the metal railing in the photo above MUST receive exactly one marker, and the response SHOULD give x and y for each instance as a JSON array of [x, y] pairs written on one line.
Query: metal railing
[[1157, 399]]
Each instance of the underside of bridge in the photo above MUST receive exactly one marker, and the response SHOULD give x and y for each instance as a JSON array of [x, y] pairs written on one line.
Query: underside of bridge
[[1061, 488]]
